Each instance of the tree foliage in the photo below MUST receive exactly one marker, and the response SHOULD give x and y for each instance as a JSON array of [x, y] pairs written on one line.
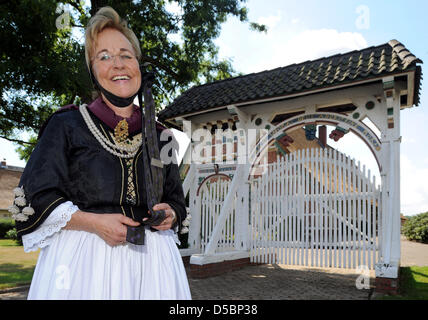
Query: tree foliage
[[42, 66]]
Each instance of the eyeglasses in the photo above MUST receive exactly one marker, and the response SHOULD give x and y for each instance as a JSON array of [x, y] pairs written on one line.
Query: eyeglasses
[[108, 58]]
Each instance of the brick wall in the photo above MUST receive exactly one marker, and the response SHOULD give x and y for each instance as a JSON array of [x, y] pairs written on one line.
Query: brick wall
[[387, 285]]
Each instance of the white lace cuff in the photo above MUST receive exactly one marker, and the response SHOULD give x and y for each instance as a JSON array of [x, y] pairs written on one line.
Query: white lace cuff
[[43, 235]]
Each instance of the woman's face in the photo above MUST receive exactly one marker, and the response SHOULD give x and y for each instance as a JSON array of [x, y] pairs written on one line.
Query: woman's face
[[114, 64]]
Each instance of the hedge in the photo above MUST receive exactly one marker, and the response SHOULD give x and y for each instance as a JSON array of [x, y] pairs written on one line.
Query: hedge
[[416, 228], [5, 226]]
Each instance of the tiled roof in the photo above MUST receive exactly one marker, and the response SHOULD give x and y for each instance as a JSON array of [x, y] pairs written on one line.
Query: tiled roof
[[387, 59]]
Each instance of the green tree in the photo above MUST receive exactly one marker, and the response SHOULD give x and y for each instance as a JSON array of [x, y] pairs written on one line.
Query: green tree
[[42, 63]]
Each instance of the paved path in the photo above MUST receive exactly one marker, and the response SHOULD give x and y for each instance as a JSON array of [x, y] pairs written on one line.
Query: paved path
[[268, 282], [280, 282], [413, 253]]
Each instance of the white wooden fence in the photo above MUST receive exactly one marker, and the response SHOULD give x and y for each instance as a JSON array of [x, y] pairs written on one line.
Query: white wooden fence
[[212, 195], [315, 207]]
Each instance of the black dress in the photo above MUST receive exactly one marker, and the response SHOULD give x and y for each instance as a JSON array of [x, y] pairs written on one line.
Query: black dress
[[68, 170]]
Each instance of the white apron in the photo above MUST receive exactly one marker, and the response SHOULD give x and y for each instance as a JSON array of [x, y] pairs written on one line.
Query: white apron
[[79, 265]]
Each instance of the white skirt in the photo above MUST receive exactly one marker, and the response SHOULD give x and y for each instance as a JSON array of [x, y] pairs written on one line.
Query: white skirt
[[79, 265]]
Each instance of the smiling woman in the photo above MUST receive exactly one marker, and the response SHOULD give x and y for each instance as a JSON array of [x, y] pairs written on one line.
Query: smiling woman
[[105, 220]]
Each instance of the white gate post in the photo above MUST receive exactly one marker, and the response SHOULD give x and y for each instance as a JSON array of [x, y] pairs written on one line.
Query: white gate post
[[190, 186], [242, 212], [194, 207], [390, 251]]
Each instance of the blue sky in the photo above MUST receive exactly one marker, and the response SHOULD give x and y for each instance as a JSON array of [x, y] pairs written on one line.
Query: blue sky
[[309, 29]]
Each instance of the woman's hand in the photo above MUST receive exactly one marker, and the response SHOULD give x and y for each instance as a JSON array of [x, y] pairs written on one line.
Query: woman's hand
[[112, 228], [171, 217]]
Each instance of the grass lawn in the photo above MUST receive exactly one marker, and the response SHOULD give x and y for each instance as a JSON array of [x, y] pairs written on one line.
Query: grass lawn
[[16, 266], [413, 284]]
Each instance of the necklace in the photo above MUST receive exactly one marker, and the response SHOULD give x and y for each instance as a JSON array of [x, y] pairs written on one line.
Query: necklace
[[106, 144]]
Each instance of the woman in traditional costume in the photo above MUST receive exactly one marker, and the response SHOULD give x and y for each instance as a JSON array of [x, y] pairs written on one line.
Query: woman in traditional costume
[[95, 195]]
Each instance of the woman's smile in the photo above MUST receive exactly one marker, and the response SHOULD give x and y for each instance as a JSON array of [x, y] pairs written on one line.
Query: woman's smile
[[121, 80]]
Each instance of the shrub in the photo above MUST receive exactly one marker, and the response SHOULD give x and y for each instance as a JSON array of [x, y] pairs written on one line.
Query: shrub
[[416, 228], [13, 234], [5, 226]]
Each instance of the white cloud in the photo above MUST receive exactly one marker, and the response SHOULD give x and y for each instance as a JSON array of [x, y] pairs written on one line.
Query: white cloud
[[283, 45], [414, 187], [271, 21], [314, 44]]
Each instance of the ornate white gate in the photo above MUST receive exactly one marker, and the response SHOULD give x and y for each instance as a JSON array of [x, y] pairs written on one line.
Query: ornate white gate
[[315, 207]]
